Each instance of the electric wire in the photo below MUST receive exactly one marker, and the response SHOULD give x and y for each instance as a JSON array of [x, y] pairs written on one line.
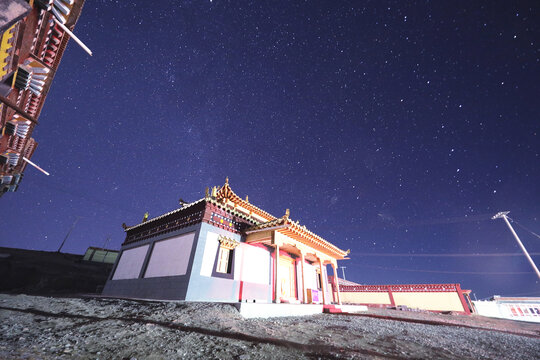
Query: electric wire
[[525, 293], [444, 255], [523, 227], [447, 272], [448, 220]]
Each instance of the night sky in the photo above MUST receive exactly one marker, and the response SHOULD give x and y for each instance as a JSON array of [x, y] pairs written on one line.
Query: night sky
[[386, 127]]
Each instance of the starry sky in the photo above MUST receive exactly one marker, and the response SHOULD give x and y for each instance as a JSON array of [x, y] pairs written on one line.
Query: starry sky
[[394, 129]]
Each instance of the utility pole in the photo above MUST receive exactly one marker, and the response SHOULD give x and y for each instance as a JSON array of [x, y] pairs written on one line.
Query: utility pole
[[69, 232], [503, 214], [343, 271]]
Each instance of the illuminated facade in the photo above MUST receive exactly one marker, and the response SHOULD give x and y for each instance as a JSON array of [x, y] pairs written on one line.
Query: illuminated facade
[[223, 248], [31, 46]]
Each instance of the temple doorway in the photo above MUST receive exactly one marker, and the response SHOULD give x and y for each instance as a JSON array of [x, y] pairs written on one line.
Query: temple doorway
[[287, 279]]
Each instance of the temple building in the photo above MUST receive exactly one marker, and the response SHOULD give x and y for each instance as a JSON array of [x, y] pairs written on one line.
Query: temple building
[[223, 248], [33, 38]]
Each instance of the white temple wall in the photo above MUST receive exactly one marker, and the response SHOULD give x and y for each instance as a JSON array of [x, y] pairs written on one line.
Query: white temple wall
[[210, 251], [310, 276], [252, 264]]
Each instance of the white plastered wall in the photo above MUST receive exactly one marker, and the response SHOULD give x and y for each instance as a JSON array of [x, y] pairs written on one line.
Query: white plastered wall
[[487, 308], [299, 280], [310, 276], [210, 251], [328, 286], [252, 264]]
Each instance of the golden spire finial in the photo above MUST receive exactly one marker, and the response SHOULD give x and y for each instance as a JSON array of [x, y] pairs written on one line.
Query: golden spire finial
[[247, 198], [206, 193], [227, 180], [287, 213], [214, 192], [145, 217]]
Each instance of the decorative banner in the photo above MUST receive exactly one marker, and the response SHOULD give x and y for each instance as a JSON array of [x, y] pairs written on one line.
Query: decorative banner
[[523, 310]]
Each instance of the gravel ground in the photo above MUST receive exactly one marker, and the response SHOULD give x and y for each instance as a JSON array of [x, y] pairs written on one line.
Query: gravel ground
[[34, 327]]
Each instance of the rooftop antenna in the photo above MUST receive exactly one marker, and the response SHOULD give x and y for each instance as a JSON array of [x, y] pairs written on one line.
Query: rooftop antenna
[[69, 232], [503, 214], [106, 242], [343, 271]]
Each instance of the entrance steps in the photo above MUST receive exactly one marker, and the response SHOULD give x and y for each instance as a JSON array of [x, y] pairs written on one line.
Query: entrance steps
[[267, 310], [261, 310], [331, 309], [343, 309]]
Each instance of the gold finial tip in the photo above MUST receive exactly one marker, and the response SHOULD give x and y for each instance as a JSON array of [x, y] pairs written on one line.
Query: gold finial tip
[[227, 180], [247, 198], [287, 213]]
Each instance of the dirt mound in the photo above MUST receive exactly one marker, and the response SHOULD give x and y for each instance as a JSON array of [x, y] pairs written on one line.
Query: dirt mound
[[34, 327]]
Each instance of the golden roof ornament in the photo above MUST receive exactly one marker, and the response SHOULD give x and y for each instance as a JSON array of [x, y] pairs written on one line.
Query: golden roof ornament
[[214, 192], [247, 199], [145, 217], [206, 193], [227, 180], [287, 214]]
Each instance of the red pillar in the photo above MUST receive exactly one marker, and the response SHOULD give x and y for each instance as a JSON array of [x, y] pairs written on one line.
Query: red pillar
[[463, 302], [392, 302]]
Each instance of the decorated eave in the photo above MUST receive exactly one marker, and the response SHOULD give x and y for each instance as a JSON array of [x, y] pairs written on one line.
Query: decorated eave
[[225, 199], [227, 196], [185, 207], [220, 205], [300, 233]]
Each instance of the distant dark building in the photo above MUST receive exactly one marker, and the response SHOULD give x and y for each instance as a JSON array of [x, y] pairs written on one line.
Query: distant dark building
[[31, 46], [101, 255]]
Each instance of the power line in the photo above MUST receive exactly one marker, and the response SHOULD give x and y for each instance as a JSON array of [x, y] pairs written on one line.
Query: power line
[[436, 221], [448, 220], [524, 228], [447, 272], [442, 255], [525, 293]]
